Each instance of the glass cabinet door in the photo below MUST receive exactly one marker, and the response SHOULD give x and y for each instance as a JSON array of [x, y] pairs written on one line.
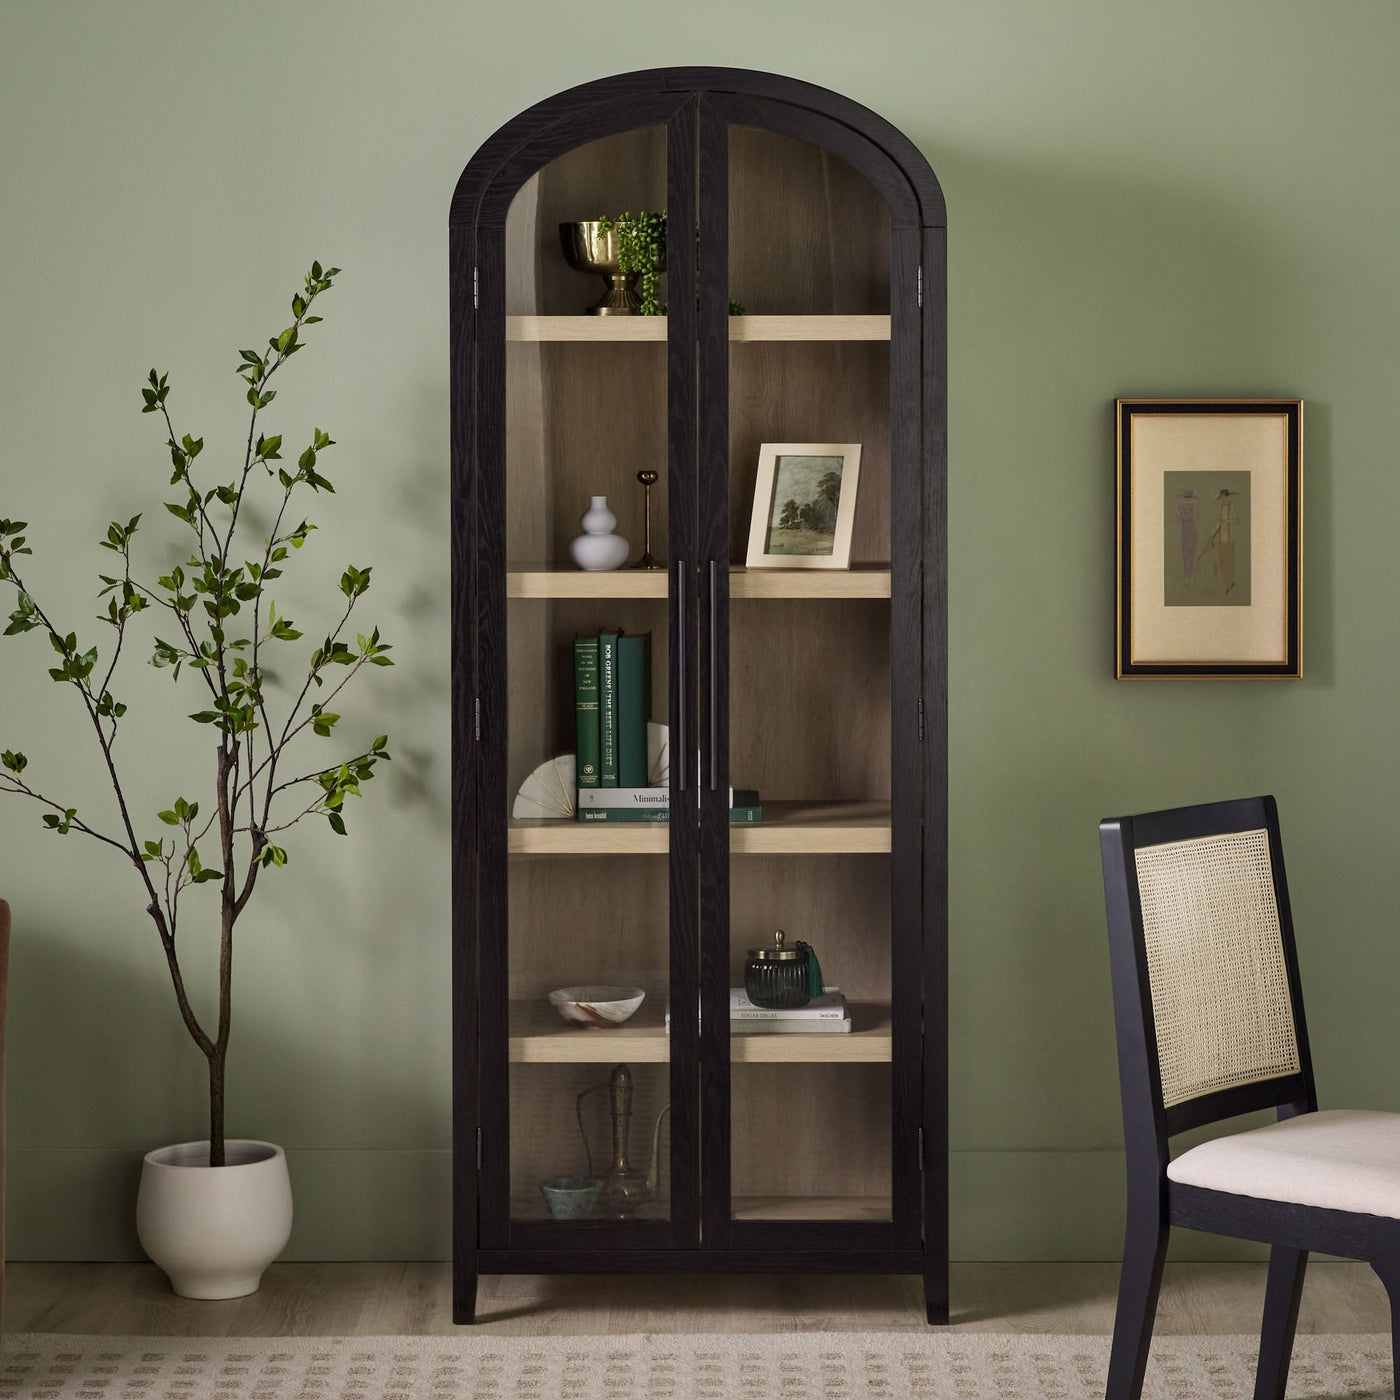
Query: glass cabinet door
[[577, 1065], [814, 639]]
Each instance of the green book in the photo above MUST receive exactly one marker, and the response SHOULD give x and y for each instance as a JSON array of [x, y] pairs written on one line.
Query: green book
[[607, 708], [658, 814], [586, 710], [633, 708]]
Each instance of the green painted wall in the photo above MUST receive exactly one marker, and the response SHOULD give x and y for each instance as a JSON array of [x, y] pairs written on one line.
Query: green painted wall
[[1144, 199]]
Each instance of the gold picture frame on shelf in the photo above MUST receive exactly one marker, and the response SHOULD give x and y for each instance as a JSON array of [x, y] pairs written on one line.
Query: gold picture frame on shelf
[[1210, 539], [804, 505]]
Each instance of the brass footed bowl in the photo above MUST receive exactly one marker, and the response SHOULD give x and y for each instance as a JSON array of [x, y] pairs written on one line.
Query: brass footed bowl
[[588, 249]]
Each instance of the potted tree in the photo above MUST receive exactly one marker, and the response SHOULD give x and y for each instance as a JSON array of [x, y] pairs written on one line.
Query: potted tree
[[216, 1212]]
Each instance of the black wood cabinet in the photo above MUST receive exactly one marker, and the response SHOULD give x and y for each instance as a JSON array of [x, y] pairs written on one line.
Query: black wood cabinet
[[804, 297]]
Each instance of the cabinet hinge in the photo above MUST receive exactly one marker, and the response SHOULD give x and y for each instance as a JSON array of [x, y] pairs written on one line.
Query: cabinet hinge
[[478, 1145], [921, 740], [921, 284], [921, 1147], [476, 713], [476, 290]]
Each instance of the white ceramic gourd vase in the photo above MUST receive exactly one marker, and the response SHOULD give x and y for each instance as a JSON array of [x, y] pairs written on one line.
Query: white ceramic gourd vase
[[215, 1229], [598, 549]]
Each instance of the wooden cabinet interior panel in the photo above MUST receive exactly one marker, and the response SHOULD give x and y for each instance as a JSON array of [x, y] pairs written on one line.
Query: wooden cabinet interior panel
[[582, 420], [540, 672], [838, 904], [577, 920], [812, 391], [809, 699], [807, 233], [811, 1130], [623, 173], [544, 1130]]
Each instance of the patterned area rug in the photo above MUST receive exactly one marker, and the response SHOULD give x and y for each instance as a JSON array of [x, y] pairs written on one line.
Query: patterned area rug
[[787, 1366]]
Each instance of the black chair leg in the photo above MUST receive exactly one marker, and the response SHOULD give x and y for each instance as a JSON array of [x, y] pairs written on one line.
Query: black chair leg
[[1144, 1253], [1385, 1260], [1281, 1295]]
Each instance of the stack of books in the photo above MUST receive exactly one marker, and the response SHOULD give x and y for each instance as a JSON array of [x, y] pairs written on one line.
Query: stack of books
[[826, 1014], [612, 706], [823, 1015]]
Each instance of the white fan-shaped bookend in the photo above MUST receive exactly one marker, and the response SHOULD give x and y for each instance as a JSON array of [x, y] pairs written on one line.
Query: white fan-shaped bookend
[[658, 755], [549, 791]]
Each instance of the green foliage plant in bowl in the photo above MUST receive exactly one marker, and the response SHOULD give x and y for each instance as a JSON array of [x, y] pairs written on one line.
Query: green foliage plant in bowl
[[267, 697], [623, 250]]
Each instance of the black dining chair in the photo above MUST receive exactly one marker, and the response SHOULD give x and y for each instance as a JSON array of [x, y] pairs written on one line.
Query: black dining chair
[[1209, 1014]]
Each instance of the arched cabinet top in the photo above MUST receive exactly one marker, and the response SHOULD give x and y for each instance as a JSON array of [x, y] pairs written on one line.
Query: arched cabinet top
[[853, 133]]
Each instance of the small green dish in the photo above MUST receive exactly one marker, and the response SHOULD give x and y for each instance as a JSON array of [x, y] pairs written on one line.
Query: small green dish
[[571, 1197]]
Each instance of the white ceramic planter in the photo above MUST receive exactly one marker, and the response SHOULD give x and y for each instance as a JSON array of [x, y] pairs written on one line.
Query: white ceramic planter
[[215, 1229]]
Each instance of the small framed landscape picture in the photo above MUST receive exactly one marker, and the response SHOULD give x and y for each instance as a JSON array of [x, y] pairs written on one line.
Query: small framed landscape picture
[[804, 505], [1210, 538]]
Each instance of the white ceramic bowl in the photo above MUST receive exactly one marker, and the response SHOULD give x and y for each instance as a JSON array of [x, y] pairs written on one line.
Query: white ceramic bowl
[[598, 1007]]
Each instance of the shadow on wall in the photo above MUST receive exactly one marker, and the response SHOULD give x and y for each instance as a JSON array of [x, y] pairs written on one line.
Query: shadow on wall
[[1068, 289], [101, 1066], [76, 1084]]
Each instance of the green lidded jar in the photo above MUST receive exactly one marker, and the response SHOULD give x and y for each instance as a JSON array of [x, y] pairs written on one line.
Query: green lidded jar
[[780, 978]]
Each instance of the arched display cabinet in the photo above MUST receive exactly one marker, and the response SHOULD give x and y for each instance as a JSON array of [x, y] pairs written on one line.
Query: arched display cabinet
[[804, 300]]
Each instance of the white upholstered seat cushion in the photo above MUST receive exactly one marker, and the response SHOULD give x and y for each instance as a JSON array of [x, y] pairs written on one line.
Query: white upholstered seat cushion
[[1338, 1159]]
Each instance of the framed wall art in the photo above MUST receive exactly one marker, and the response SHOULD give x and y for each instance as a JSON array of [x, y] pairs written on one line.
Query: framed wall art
[[804, 505], [1210, 538]]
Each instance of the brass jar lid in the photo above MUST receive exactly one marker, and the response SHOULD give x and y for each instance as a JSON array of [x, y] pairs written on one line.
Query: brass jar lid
[[776, 951]]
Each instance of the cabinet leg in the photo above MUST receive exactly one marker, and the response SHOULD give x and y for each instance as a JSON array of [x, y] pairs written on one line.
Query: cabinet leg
[[464, 1295], [936, 1297]]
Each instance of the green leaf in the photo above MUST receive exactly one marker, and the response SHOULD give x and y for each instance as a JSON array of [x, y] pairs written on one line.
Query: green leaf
[[169, 818], [337, 822], [15, 762]]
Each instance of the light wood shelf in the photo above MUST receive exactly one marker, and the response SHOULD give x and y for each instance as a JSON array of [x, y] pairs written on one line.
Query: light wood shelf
[[540, 582], [653, 328], [811, 1208], [787, 828], [873, 1208], [862, 581], [539, 1035]]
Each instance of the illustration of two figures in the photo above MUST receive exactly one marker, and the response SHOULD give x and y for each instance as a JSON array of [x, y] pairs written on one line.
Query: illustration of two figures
[[1206, 557]]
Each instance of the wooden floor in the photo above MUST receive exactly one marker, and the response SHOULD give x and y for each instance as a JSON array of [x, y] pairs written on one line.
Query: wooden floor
[[397, 1299]]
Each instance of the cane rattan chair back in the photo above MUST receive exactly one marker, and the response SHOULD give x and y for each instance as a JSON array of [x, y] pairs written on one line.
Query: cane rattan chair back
[[1222, 1006], [1206, 975]]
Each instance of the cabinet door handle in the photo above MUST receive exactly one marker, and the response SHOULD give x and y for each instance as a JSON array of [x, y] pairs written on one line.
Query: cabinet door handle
[[681, 746], [714, 684]]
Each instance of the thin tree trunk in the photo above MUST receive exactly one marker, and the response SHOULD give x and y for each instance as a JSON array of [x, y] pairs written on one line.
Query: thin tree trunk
[[216, 1105]]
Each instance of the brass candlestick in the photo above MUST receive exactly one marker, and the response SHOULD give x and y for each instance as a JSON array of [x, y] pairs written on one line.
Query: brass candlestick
[[648, 480]]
